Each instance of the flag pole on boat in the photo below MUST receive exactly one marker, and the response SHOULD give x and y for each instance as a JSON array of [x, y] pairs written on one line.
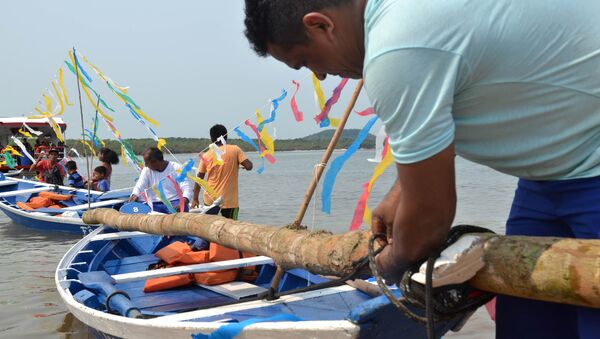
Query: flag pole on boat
[[87, 160], [318, 172]]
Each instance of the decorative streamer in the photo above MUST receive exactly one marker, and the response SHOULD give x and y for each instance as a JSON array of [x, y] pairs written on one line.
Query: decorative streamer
[[127, 100], [262, 152], [217, 154], [56, 129], [213, 194], [75, 152], [184, 171], [388, 159], [25, 133], [338, 163], [161, 143], [179, 194], [38, 133], [12, 151], [379, 145], [264, 136], [95, 139], [61, 103], [10, 162], [298, 115], [85, 87], [143, 122], [319, 96], [362, 211], [223, 142], [88, 146], [322, 118], [274, 106], [102, 76], [247, 139], [160, 193], [365, 112], [22, 147], [61, 83]]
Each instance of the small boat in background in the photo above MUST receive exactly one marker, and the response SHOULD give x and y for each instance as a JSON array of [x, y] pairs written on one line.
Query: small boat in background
[[38, 129], [102, 278], [15, 193]]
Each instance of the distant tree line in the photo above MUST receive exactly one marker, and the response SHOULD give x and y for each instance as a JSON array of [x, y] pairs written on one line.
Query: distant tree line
[[317, 141]]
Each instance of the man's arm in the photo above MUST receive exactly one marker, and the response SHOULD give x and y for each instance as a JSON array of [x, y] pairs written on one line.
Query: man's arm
[[195, 201], [247, 164], [140, 185], [419, 211]]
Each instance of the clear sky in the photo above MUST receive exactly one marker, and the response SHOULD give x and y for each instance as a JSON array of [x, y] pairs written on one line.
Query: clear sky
[[187, 63]]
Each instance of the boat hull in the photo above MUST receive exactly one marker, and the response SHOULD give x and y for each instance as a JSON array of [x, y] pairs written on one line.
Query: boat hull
[[368, 318]]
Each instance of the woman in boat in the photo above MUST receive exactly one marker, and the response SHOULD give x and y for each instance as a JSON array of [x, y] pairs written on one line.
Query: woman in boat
[[108, 157]]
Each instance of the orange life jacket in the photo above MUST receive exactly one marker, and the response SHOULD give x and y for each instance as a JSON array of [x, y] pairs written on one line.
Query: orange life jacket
[[55, 196], [180, 254]]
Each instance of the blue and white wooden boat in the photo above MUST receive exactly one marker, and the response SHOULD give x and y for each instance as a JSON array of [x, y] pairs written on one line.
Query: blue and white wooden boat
[[66, 219], [112, 265]]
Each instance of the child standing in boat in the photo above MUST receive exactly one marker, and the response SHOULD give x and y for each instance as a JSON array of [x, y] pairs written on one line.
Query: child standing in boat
[[108, 157], [75, 179]]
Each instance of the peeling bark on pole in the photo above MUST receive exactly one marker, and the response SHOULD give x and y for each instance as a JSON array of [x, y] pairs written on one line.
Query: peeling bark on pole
[[319, 252], [550, 269]]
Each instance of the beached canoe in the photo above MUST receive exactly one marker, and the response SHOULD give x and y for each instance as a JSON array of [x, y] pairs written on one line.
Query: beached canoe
[[107, 270], [68, 219]]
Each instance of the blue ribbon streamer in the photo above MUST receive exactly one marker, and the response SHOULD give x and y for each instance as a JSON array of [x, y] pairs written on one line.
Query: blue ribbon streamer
[[231, 330], [184, 171], [273, 112], [253, 144], [164, 199], [141, 120], [338, 163], [79, 68]]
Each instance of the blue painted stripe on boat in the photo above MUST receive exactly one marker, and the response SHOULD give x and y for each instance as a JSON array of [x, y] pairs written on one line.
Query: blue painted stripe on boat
[[231, 330]]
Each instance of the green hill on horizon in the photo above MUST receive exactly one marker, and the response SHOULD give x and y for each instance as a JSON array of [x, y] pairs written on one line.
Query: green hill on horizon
[[316, 141]]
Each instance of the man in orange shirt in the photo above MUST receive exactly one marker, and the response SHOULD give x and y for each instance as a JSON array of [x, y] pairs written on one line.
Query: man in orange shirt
[[223, 178]]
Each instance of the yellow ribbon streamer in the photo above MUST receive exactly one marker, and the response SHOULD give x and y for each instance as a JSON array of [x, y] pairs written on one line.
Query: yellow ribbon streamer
[[102, 76], [265, 138], [213, 194], [56, 128], [25, 133], [12, 151], [60, 100], [87, 93], [161, 143], [318, 91], [61, 83], [378, 171], [89, 146]]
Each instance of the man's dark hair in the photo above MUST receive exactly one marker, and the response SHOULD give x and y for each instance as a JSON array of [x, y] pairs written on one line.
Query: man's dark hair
[[54, 150], [280, 21], [216, 131], [71, 165], [154, 154], [101, 170], [109, 155]]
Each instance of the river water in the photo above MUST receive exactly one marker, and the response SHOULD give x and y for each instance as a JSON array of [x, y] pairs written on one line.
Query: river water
[[30, 306]]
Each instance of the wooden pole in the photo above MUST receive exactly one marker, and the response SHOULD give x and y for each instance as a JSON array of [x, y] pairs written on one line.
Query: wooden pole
[[87, 160], [550, 269], [325, 158]]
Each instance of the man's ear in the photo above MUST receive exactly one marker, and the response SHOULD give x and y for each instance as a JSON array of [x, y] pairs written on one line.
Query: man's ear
[[316, 23]]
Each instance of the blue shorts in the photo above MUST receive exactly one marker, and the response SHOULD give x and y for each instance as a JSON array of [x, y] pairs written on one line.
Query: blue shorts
[[162, 208], [567, 208]]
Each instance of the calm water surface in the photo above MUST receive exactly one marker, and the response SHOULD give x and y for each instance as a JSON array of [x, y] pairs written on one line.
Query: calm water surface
[[30, 306]]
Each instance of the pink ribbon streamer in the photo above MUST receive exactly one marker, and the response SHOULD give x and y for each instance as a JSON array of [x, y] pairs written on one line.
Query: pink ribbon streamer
[[331, 101], [262, 148], [297, 114], [366, 112], [179, 193], [357, 219]]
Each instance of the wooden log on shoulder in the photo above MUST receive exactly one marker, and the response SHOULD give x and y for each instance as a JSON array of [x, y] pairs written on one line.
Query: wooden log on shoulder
[[550, 269]]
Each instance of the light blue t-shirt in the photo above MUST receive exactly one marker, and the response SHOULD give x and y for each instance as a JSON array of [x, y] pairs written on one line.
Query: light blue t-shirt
[[514, 83]]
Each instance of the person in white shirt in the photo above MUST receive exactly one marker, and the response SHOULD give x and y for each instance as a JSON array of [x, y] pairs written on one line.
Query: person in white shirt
[[157, 169]]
